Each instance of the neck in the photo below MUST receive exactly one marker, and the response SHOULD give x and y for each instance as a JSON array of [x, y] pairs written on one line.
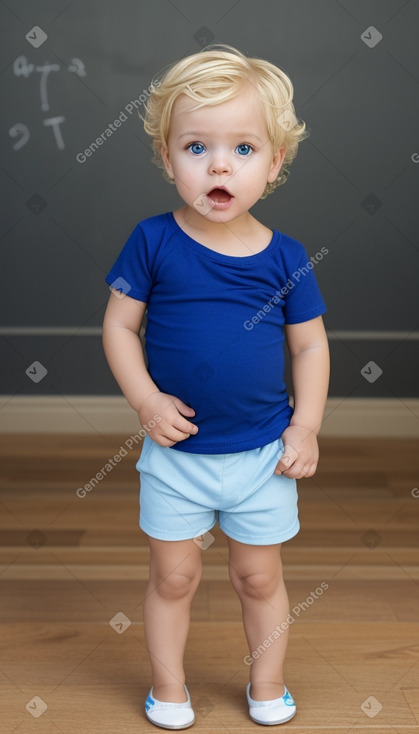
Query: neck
[[188, 217]]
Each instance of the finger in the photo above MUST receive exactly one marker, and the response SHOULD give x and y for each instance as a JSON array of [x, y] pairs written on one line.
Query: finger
[[287, 459], [295, 472], [185, 426], [182, 407], [172, 433], [312, 469], [299, 471], [181, 423], [170, 437]]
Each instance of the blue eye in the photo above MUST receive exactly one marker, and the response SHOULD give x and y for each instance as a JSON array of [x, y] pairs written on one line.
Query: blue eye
[[196, 148], [244, 149]]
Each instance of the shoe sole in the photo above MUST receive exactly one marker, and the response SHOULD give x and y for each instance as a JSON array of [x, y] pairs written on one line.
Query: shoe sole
[[165, 726], [273, 723]]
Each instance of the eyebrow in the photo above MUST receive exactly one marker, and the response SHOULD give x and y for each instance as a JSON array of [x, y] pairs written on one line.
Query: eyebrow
[[236, 135]]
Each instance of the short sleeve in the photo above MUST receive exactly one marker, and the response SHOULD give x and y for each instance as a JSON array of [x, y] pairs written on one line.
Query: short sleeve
[[303, 300], [131, 272]]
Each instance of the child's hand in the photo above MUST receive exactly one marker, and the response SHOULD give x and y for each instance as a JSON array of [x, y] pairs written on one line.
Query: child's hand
[[172, 427], [301, 453]]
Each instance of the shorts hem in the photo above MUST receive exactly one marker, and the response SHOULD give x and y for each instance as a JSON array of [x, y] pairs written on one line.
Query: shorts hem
[[163, 535], [273, 540]]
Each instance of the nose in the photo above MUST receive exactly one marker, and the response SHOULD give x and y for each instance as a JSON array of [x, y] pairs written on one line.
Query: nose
[[220, 163]]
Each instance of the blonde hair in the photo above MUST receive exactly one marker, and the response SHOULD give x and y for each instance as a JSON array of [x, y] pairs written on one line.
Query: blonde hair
[[214, 75]]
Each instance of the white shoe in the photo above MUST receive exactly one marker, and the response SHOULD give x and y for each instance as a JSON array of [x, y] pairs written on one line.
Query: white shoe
[[276, 711], [169, 715]]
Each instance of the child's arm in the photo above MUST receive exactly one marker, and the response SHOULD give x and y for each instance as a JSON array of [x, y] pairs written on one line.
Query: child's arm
[[307, 343], [121, 325]]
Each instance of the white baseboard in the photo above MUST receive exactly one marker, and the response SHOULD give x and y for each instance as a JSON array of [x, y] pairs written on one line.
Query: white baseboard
[[371, 417], [104, 415]]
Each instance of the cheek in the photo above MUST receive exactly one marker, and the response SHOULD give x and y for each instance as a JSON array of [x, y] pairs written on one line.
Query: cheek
[[252, 171], [250, 165], [257, 171], [188, 170]]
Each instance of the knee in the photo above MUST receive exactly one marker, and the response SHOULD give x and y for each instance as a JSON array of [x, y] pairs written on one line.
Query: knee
[[255, 585], [177, 585]]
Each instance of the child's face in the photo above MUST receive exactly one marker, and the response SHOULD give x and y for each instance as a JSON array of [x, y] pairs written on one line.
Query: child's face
[[224, 145]]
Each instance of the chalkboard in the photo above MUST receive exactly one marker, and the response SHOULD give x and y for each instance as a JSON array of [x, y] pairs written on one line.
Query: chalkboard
[[77, 174]]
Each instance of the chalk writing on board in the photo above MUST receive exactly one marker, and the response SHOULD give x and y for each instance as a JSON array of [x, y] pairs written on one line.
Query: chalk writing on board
[[22, 130], [23, 68]]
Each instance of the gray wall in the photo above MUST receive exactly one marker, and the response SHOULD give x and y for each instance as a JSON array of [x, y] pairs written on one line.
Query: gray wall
[[353, 187]]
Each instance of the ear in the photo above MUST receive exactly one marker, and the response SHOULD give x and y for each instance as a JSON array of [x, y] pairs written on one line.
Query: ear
[[276, 164], [166, 160]]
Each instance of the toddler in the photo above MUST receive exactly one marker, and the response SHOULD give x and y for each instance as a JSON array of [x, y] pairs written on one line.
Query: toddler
[[222, 292]]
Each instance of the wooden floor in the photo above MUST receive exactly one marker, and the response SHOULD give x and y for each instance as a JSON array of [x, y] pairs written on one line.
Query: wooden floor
[[73, 574]]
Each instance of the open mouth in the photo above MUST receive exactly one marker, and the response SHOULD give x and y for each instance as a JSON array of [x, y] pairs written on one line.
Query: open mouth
[[219, 196]]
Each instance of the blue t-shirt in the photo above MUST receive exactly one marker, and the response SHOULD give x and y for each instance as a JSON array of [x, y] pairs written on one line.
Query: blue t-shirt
[[214, 335]]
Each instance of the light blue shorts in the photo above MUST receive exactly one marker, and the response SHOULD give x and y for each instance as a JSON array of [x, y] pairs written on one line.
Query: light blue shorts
[[183, 495]]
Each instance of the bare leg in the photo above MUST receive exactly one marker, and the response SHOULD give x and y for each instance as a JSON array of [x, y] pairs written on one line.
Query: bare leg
[[175, 572], [256, 574]]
